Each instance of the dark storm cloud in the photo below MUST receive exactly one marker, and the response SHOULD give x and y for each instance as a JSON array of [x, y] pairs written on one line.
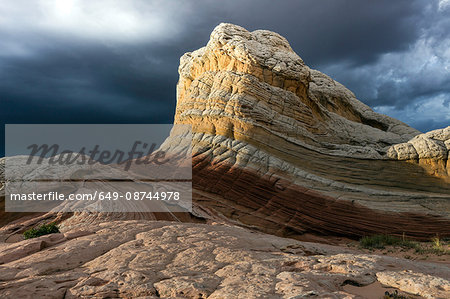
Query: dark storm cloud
[[331, 31], [413, 84], [94, 76], [116, 61]]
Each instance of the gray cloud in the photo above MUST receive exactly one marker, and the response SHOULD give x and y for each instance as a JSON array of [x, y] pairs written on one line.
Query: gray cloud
[[412, 85]]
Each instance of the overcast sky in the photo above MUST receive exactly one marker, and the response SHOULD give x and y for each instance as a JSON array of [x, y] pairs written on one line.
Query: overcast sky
[[86, 61]]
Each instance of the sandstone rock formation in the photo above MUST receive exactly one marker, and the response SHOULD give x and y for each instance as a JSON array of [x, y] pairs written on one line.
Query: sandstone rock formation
[[251, 85], [277, 147], [283, 147], [131, 259], [430, 150], [287, 149]]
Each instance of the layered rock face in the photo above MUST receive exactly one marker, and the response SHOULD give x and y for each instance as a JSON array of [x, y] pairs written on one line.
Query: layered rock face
[[285, 148], [249, 85]]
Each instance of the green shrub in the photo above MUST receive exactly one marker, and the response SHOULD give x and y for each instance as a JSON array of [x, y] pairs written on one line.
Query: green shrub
[[380, 241], [437, 244], [45, 229]]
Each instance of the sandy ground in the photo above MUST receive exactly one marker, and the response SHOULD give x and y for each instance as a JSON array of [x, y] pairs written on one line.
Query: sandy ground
[[374, 291], [394, 251], [408, 253]]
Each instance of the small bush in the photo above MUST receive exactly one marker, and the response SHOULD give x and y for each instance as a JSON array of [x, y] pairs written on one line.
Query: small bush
[[437, 243], [45, 229]]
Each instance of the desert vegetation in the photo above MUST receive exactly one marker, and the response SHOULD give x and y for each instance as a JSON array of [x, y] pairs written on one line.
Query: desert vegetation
[[435, 246], [44, 229]]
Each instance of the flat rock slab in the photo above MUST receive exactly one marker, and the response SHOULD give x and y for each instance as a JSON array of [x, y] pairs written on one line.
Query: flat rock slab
[[156, 259]]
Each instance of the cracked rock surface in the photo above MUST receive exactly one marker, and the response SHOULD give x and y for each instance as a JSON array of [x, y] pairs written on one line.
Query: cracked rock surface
[[131, 259]]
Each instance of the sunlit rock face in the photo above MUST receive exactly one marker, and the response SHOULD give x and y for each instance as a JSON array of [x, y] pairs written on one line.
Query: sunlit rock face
[[283, 147], [250, 85], [429, 150]]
